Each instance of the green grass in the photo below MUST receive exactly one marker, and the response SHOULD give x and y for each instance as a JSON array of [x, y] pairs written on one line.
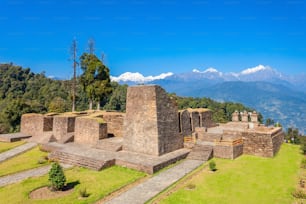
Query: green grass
[[27, 160], [247, 179], [4, 146], [97, 183]]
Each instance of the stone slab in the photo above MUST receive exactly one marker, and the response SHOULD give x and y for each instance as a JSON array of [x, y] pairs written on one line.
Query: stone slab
[[153, 186], [14, 178], [113, 144], [16, 151], [149, 163], [80, 155], [13, 137]]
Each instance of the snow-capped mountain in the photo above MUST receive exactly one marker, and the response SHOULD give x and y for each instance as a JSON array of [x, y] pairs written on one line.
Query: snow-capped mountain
[[139, 78], [258, 73], [274, 94]]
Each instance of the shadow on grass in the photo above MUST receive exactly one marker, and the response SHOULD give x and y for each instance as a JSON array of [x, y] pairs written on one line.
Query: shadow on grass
[[70, 185]]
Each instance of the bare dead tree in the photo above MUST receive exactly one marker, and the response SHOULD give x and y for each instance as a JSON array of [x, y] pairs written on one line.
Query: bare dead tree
[[73, 52], [91, 46]]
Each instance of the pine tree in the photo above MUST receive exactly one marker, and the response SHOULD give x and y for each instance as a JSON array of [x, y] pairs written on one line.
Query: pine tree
[[57, 177]]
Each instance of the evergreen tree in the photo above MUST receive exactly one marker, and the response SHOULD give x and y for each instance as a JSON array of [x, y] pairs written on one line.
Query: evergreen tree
[[95, 79], [57, 177]]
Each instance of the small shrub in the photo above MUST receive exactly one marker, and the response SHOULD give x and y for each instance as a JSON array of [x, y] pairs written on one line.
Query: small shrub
[[302, 183], [190, 186], [41, 160], [303, 163], [212, 166], [83, 193], [57, 177], [299, 194]]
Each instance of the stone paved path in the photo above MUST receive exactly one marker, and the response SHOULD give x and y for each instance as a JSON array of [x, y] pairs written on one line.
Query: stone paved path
[[14, 178], [17, 150], [147, 190]]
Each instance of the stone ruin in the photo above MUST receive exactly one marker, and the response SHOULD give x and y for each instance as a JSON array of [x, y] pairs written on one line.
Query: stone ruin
[[150, 135]]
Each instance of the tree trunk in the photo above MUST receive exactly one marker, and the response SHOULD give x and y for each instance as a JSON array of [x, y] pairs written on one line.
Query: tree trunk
[[73, 106], [90, 104], [98, 105]]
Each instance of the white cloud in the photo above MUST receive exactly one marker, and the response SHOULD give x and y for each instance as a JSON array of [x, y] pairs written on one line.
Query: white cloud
[[210, 69], [137, 77], [255, 69]]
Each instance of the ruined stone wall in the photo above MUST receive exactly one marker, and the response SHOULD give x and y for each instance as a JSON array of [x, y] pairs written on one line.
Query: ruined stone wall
[[228, 152], [277, 141], [195, 119], [206, 119], [89, 131], [167, 120], [185, 123], [62, 125], [114, 122], [35, 124], [151, 122], [32, 124], [258, 143], [208, 137]]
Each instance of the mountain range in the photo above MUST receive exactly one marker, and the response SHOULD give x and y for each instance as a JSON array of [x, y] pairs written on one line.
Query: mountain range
[[276, 95]]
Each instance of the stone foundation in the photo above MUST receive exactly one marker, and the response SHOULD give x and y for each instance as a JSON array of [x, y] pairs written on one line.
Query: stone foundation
[[227, 151], [185, 123], [261, 143], [63, 125], [114, 122], [35, 124], [89, 130]]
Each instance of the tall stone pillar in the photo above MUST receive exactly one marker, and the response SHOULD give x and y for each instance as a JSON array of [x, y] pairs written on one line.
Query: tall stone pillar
[[151, 124]]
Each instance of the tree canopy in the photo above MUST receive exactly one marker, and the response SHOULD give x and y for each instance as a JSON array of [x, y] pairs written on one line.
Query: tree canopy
[[95, 79]]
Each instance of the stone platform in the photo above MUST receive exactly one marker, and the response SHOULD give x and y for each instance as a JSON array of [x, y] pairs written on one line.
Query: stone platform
[[79, 155], [98, 159], [148, 163], [113, 144], [13, 137]]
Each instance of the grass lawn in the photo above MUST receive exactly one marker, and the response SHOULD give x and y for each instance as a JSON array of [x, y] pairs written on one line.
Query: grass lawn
[[27, 160], [4, 146], [247, 179], [97, 183]]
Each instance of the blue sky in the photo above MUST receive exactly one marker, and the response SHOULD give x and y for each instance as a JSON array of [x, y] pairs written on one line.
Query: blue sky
[[155, 37]]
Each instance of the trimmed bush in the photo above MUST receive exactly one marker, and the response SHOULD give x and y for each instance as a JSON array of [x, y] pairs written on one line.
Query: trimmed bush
[[303, 163], [57, 177], [83, 193], [212, 166], [299, 194]]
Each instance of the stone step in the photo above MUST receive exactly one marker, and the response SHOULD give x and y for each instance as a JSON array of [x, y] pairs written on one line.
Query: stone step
[[201, 152], [79, 160], [13, 137]]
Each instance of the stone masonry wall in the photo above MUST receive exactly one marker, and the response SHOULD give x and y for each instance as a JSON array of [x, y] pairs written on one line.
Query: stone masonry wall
[[32, 124], [228, 152], [206, 119], [185, 123], [262, 144], [151, 121], [167, 120], [195, 119], [277, 141], [35, 124], [62, 125], [114, 122], [89, 131]]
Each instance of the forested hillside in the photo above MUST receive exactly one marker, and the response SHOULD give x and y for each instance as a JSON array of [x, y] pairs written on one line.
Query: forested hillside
[[22, 91]]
